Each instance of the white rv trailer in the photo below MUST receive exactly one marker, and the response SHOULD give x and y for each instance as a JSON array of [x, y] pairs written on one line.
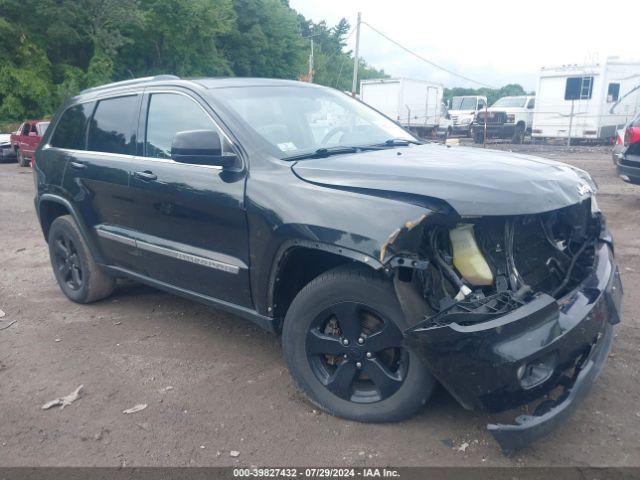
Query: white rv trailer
[[414, 104], [586, 101]]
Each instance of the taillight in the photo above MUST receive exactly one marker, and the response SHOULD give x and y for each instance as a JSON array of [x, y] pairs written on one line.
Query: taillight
[[631, 135]]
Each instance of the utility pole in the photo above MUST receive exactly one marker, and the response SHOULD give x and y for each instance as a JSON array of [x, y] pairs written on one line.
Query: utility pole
[[311, 63], [570, 123], [356, 59]]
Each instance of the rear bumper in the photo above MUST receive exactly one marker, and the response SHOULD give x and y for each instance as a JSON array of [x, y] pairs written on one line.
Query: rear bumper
[[481, 365], [628, 167], [7, 153]]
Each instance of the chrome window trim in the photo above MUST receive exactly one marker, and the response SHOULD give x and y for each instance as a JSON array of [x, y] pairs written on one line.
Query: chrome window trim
[[142, 91], [125, 156]]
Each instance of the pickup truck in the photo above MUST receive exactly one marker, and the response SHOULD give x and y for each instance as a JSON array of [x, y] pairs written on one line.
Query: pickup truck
[[509, 117], [26, 139]]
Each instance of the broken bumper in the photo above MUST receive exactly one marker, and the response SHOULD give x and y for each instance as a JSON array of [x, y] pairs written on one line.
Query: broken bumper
[[541, 348]]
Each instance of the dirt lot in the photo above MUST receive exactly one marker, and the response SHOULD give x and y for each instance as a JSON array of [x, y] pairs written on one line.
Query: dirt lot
[[231, 390]]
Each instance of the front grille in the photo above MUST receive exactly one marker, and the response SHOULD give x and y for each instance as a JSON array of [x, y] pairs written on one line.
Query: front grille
[[492, 117]]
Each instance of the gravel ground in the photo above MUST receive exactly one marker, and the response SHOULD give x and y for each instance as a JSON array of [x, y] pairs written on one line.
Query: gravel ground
[[215, 384]]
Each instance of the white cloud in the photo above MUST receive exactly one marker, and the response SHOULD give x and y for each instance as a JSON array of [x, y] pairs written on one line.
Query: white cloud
[[492, 41]]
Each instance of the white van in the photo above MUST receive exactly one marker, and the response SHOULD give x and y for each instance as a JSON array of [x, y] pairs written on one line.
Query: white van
[[462, 111]]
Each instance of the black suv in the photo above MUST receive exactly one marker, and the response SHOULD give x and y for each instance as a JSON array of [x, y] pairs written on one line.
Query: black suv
[[387, 264]]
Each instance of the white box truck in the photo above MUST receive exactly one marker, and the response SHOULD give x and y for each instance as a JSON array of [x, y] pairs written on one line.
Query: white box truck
[[414, 104], [587, 102]]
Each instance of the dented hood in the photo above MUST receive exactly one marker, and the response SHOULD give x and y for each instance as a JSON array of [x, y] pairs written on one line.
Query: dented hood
[[473, 181]]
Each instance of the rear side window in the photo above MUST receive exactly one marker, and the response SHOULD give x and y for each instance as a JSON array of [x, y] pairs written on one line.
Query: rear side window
[[112, 128], [69, 132]]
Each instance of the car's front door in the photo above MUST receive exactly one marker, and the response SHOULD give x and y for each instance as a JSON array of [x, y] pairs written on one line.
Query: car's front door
[[190, 219]]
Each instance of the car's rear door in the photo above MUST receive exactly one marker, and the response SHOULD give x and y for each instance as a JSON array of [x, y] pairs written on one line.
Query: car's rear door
[[189, 219], [97, 176]]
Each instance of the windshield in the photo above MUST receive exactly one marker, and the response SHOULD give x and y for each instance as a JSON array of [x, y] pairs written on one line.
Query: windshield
[[514, 102], [295, 120], [464, 103]]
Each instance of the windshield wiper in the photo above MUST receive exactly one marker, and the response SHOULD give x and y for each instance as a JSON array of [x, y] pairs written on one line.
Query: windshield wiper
[[399, 142], [324, 152]]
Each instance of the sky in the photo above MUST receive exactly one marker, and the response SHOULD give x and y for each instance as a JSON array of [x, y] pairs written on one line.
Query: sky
[[521, 37]]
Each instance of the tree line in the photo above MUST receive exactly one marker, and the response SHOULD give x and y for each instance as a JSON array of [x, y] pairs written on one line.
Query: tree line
[[52, 49]]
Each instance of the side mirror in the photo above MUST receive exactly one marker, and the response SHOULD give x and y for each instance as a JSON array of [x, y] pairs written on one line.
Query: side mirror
[[201, 147]]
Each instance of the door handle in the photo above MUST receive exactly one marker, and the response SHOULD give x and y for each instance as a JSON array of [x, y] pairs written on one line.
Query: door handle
[[147, 175], [77, 165]]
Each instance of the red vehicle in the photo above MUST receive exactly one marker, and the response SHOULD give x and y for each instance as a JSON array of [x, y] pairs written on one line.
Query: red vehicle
[[26, 139], [628, 160]]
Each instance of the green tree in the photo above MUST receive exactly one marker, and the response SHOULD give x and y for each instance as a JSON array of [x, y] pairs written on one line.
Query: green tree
[[181, 37], [265, 41]]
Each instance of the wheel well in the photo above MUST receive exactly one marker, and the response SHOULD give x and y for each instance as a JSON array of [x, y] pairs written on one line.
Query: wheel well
[[298, 267], [49, 211], [520, 123]]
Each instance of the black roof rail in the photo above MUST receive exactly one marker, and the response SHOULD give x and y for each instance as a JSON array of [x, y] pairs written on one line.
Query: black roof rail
[[133, 81]]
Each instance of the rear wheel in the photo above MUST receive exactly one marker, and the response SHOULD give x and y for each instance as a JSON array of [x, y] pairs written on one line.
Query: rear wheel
[[343, 344], [22, 160], [78, 275]]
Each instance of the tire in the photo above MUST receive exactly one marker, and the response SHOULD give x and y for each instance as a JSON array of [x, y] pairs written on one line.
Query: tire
[[518, 134], [22, 160], [78, 275], [478, 136], [364, 296]]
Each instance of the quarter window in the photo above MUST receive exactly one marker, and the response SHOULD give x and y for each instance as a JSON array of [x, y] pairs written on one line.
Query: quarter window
[[169, 114], [69, 132], [112, 128]]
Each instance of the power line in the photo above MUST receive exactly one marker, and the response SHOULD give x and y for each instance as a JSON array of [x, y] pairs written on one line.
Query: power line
[[451, 72]]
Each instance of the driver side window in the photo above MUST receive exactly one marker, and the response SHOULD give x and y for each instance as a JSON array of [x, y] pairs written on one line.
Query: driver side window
[[170, 113]]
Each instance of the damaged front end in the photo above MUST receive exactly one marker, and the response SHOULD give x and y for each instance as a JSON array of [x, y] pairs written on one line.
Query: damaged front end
[[511, 310]]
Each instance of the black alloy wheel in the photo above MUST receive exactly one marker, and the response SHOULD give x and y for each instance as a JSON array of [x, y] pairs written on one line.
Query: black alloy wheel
[[67, 262], [80, 278], [356, 353], [343, 344]]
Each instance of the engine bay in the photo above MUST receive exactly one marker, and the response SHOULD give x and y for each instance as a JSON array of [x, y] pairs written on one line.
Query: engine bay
[[485, 267]]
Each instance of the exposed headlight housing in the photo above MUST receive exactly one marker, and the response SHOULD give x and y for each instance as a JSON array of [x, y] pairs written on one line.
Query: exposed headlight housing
[[511, 118]]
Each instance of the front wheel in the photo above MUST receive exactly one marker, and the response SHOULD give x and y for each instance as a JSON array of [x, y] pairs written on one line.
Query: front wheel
[[518, 134], [343, 344]]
